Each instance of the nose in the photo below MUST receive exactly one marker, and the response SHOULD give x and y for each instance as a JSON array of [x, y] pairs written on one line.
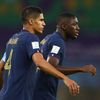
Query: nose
[[78, 28], [44, 24]]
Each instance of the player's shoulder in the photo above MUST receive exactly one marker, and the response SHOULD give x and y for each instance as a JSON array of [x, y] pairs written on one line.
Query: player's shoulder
[[56, 38], [28, 36], [45, 39]]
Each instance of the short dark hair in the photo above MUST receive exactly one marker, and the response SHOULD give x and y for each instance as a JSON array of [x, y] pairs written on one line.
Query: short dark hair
[[30, 11], [65, 15]]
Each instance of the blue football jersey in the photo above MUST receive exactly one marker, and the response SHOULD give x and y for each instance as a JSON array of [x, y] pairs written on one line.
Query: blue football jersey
[[19, 67], [46, 85]]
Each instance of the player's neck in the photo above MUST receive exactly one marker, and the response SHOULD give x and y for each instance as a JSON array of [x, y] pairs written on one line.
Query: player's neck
[[28, 28], [61, 33]]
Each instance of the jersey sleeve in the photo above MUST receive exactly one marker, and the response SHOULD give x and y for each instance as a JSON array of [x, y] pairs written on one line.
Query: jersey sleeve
[[32, 45], [56, 48], [4, 57]]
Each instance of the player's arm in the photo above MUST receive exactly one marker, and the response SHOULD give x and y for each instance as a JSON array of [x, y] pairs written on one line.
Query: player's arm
[[48, 68], [2, 62], [45, 66], [1, 75], [71, 70]]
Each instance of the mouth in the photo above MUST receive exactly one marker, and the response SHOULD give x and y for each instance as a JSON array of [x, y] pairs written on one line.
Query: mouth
[[77, 33]]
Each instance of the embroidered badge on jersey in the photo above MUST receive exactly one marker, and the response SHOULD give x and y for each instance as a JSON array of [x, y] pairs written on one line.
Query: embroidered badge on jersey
[[35, 45], [55, 49]]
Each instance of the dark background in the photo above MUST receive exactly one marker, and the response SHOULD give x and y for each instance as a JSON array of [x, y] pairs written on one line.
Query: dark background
[[84, 50]]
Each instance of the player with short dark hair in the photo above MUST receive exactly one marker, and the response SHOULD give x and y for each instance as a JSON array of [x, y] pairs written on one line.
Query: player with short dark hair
[[53, 49], [23, 50]]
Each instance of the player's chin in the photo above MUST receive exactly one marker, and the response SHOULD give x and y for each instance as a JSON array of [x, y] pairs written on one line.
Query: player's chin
[[40, 32], [74, 37]]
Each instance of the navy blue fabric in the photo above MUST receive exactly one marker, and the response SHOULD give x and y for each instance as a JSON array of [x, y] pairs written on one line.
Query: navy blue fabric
[[19, 80], [46, 85]]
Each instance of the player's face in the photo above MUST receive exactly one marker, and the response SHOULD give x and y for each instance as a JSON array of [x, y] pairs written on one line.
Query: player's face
[[39, 24], [72, 29]]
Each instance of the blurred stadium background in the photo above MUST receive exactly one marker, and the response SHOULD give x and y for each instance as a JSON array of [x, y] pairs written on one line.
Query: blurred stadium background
[[84, 50]]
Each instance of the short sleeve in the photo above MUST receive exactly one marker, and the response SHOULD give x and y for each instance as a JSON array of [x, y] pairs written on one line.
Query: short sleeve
[[32, 45], [56, 48]]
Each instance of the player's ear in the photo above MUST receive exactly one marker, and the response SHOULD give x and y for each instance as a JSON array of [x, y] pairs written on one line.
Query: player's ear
[[31, 21], [63, 26]]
